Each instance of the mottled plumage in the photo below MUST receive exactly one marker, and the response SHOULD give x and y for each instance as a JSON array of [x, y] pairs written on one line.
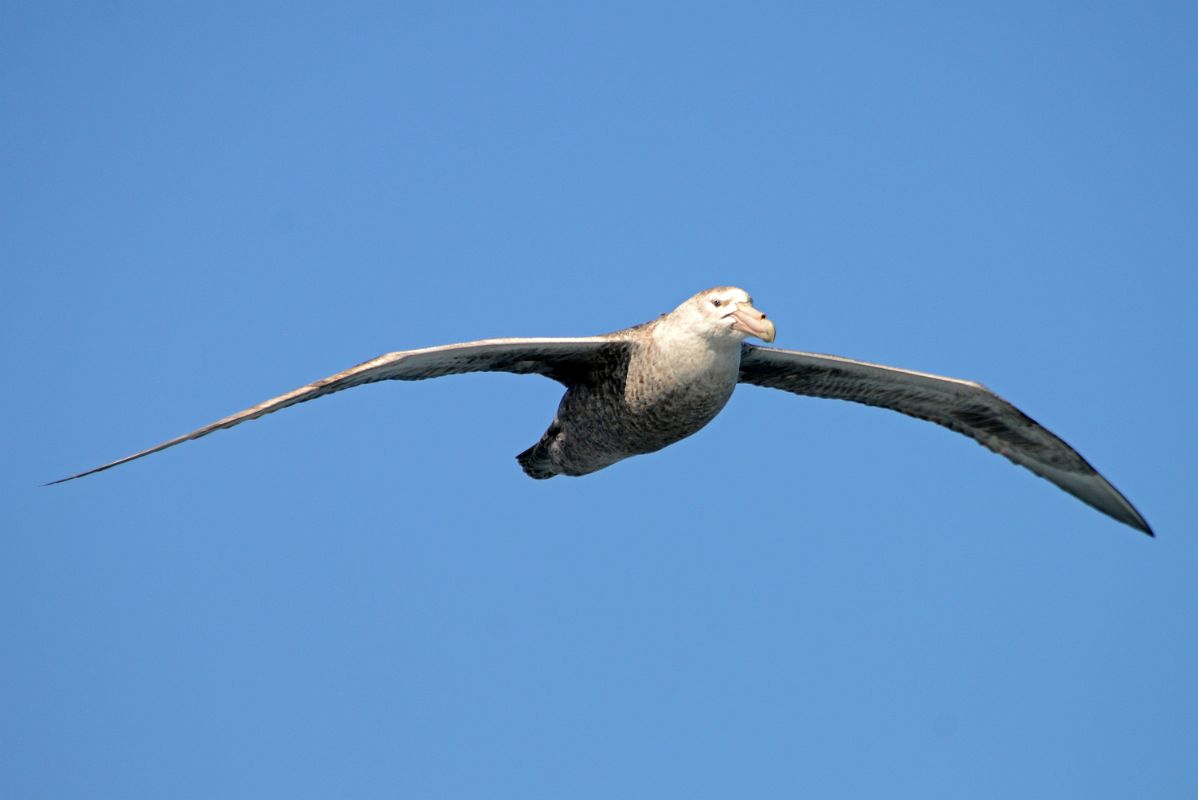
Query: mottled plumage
[[640, 389]]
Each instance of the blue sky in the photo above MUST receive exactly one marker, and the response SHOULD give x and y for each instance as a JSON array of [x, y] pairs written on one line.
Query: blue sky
[[364, 597]]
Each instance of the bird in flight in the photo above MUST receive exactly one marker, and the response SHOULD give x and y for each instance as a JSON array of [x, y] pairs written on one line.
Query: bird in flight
[[640, 389]]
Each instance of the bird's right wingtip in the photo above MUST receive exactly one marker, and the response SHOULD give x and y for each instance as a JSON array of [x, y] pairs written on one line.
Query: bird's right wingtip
[[60, 480], [85, 473]]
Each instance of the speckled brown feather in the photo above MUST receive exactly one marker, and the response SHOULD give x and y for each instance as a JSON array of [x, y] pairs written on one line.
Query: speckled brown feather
[[631, 404]]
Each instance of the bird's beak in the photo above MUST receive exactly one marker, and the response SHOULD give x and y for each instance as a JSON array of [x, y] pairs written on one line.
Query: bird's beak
[[752, 322]]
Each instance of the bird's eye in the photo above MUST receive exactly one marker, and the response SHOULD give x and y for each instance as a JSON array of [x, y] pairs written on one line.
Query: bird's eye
[[717, 303]]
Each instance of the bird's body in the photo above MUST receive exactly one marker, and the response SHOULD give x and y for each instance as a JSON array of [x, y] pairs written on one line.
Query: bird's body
[[641, 389], [663, 385]]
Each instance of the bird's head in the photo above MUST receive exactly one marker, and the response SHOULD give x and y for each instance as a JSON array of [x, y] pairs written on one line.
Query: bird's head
[[725, 311]]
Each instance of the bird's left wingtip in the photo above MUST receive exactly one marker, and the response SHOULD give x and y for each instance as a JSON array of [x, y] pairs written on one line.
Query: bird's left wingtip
[[1135, 520]]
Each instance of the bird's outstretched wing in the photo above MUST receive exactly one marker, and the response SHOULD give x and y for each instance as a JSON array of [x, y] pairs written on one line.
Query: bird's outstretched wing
[[963, 406], [564, 360]]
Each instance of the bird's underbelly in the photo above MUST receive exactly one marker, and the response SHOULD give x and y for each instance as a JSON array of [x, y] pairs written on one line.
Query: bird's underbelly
[[597, 428]]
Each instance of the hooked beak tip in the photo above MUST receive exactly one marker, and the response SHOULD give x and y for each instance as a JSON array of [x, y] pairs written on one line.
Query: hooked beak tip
[[751, 321]]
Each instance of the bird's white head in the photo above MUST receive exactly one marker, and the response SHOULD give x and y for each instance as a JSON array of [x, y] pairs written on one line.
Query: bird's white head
[[724, 312]]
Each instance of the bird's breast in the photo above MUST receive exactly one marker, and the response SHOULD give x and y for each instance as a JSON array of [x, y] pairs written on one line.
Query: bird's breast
[[667, 399]]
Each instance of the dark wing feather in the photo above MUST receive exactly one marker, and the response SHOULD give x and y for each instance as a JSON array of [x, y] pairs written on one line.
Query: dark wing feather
[[962, 406], [564, 360]]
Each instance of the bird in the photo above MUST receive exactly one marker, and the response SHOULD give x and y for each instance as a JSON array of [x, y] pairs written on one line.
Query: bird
[[640, 389]]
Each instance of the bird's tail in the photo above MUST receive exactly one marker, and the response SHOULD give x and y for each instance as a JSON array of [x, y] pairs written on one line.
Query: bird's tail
[[535, 461]]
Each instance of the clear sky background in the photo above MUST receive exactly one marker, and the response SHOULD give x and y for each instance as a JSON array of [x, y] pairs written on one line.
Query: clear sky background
[[205, 205]]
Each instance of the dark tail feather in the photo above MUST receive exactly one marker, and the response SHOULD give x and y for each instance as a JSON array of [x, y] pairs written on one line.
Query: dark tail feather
[[535, 461]]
